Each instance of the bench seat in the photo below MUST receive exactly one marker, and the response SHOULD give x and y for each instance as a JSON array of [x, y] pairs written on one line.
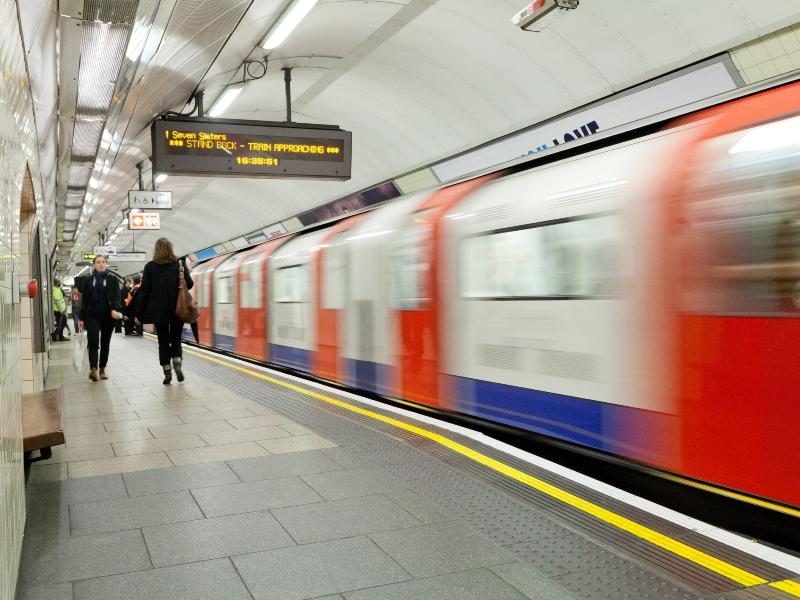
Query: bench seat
[[42, 425]]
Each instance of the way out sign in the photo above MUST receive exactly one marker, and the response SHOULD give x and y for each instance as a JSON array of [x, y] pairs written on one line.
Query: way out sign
[[149, 200], [144, 221]]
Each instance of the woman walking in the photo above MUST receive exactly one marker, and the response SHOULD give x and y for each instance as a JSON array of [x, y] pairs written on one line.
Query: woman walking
[[156, 302], [99, 311]]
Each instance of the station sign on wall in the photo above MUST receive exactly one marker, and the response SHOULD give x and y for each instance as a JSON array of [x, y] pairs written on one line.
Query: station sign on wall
[[105, 250], [149, 200], [129, 257], [225, 147], [144, 221]]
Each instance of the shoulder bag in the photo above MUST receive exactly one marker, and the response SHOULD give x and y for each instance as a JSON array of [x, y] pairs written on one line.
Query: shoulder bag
[[186, 308]]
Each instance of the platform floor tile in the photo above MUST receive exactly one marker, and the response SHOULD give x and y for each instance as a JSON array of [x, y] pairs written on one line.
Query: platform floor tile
[[351, 483], [320, 569], [205, 539], [441, 548], [68, 559], [89, 489], [283, 465], [132, 513], [343, 518], [57, 591], [212, 580], [161, 481], [255, 496], [468, 585]]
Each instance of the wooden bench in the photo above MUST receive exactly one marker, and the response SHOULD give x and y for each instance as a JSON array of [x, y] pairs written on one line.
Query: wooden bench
[[42, 426]]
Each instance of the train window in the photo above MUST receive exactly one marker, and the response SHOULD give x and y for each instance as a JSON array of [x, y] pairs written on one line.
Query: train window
[[291, 284], [223, 290], [740, 247], [335, 276], [250, 284], [569, 259]]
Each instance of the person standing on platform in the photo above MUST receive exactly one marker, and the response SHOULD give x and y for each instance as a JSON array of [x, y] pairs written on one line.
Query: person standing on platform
[[60, 311], [100, 307], [156, 303], [131, 302], [123, 295], [75, 302]]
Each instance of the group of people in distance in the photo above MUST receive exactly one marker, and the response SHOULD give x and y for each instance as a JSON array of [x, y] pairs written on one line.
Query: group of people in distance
[[103, 305]]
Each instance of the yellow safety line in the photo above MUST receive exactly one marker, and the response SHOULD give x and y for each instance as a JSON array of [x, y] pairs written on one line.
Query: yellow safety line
[[788, 586], [669, 544]]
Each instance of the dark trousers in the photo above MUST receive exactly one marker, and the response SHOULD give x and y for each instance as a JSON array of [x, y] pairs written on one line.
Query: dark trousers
[[98, 331], [61, 323], [169, 341]]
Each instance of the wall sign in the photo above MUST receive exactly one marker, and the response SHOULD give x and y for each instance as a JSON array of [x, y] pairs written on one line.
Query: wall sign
[[707, 79], [105, 250], [144, 221], [225, 147], [129, 257], [150, 200]]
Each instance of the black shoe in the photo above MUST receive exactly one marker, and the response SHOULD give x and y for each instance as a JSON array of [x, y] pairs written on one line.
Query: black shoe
[[167, 376], [178, 366]]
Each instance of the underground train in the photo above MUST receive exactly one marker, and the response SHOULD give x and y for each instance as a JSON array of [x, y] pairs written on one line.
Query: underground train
[[640, 299]]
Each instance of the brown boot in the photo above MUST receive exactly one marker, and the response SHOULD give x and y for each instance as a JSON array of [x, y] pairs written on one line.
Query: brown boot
[[103, 374], [93, 375]]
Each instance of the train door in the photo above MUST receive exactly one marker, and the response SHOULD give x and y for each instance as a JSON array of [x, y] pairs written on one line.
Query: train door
[[252, 280], [332, 283], [415, 297]]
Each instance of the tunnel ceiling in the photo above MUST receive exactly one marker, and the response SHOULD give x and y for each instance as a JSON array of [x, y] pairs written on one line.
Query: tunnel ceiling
[[414, 80]]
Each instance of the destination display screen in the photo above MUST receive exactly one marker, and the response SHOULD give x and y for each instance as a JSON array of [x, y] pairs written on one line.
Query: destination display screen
[[250, 149]]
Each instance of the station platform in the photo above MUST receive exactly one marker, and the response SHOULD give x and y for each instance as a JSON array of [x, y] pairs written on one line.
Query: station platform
[[245, 483]]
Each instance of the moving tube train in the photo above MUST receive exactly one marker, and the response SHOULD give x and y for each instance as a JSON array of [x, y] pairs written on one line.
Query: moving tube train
[[641, 299]]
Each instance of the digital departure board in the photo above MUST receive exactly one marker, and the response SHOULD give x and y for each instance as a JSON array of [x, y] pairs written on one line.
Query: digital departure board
[[223, 147]]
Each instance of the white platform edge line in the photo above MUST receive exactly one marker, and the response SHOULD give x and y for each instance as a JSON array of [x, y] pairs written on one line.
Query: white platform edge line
[[749, 546]]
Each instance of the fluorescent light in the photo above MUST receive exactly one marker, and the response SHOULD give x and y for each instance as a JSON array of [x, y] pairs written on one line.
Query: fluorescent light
[[93, 182], [224, 100], [135, 211], [287, 23], [161, 177]]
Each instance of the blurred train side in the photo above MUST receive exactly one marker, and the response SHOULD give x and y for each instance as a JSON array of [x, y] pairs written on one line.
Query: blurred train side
[[633, 300]]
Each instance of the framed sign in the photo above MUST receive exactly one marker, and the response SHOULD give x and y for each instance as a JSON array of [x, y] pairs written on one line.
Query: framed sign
[[144, 221], [225, 147]]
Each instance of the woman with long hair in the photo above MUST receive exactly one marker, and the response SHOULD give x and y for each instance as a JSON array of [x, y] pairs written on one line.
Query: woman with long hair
[[99, 310], [156, 301]]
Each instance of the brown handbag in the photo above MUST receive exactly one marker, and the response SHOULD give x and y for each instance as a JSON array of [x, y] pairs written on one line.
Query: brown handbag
[[186, 308]]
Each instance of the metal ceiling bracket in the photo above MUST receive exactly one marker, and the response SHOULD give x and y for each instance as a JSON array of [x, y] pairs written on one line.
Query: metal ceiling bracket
[[287, 80]]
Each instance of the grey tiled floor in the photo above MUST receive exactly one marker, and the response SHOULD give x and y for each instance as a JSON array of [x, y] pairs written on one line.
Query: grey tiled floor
[[195, 491]]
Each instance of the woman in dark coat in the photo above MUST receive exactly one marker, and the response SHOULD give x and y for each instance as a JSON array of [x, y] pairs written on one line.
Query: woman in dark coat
[[156, 303], [99, 310]]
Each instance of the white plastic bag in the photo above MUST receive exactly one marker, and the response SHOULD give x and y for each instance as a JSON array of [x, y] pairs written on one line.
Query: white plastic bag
[[79, 347]]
